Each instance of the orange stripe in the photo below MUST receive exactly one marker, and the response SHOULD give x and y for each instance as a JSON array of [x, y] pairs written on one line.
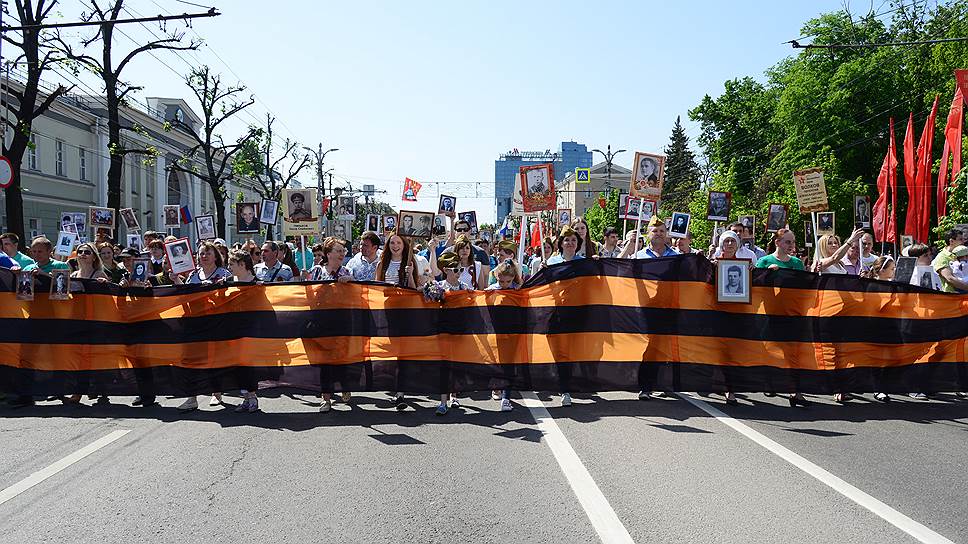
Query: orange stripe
[[483, 349]]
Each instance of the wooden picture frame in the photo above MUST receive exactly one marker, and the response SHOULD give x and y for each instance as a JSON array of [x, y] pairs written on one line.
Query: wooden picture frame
[[538, 188], [99, 217], [172, 216], [826, 223], [648, 176]]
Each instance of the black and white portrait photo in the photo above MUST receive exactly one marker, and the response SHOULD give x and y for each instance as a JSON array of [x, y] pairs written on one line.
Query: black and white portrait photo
[[648, 210], [180, 256], [130, 219], [389, 222], [717, 208], [749, 223], [60, 284], [135, 241], [65, 243], [647, 176], [67, 222], [373, 222], [906, 240], [925, 276], [171, 217], [471, 219], [299, 205], [564, 217], [777, 217], [447, 204], [629, 207], [679, 228], [862, 211], [825, 223], [440, 225], [270, 212], [101, 217], [139, 272], [205, 227], [415, 224], [346, 208], [733, 280], [25, 285], [808, 233], [247, 218]]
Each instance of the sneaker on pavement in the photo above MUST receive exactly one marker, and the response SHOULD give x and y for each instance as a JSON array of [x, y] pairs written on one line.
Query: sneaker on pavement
[[401, 405], [919, 396], [506, 405], [454, 403], [882, 397], [191, 403], [441, 409], [216, 399], [495, 394], [645, 395], [326, 406], [566, 399]]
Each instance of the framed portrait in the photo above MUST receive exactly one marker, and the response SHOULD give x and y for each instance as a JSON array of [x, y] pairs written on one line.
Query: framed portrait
[[101, 217], [926, 276], [904, 269], [825, 223], [717, 232], [447, 204], [717, 209], [60, 284], [65, 243], [471, 219], [564, 217], [748, 243], [270, 211], [748, 222], [299, 217], [906, 240], [247, 217], [140, 270], [25, 285], [415, 224], [67, 222], [135, 241], [341, 228], [180, 256], [172, 219], [648, 174], [862, 211], [734, 282], [808, 233], [538, 188], [130, 219], [373, 222], [626, 207], [776, 219], [679, 228], [346, 207], [440, 225], [389, 222], [205, 227]]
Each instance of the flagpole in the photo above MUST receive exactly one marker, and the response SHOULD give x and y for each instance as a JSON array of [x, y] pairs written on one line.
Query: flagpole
[[816, 244], [544, 257], [638, 222], [524, 232]]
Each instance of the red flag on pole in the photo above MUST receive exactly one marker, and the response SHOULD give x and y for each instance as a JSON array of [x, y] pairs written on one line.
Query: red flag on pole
[[910, 219], [923, 177], [943, 182], [536, 234], [891, 231], [888, 169]]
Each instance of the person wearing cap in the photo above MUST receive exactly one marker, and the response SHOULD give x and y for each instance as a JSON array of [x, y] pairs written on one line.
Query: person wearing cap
[[451, 266], [298, 211], [942, 263], [40, 250], [658, 241], [959, 267]]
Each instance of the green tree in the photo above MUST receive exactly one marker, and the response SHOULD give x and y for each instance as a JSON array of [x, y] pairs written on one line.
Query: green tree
[[599, 218], [681, 170]]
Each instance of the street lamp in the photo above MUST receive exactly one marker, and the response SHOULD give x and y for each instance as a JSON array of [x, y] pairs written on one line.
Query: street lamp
[[320, 158], [608, 159]]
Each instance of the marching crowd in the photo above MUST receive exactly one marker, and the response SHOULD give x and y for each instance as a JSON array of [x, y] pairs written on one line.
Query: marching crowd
[[454, 262]]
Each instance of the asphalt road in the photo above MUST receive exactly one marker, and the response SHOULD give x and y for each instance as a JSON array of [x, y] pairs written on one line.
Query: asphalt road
[[664, 470]]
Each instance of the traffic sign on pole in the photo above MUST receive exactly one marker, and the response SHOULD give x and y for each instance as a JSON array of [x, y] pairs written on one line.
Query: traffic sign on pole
[[583, 175]]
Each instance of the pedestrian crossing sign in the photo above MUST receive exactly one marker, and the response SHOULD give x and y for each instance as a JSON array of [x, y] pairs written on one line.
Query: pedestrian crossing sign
[[583, 175]]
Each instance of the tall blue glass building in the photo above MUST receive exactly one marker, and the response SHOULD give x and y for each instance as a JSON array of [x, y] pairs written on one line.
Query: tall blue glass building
[[570, 155]]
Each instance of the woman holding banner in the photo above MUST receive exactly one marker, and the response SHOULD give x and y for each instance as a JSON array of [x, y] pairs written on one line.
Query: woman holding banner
[[568, 246], [397, 267]]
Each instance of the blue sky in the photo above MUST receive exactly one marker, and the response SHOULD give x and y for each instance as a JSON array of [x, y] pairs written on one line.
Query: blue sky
[[436, 90]]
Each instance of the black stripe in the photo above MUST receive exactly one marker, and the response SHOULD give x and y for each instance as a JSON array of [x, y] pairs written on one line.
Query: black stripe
[[431, 377], [484, 320]]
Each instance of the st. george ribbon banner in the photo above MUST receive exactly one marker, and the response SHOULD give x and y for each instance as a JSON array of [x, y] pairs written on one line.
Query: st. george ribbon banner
[[587, 325]]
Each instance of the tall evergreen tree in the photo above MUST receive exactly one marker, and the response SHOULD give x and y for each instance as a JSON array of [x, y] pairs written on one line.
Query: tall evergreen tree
[[681, 171]]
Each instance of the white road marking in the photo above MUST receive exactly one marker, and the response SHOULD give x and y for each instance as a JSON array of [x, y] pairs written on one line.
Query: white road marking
[[606, 523], [47, 472], [885, 512]]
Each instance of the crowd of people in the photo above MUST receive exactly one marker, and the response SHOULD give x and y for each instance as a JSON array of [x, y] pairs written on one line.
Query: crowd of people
[[455, 262]]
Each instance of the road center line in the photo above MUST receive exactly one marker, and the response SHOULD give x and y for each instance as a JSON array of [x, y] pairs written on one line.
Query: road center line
[[606, 523], [47, 472], [885, 512]]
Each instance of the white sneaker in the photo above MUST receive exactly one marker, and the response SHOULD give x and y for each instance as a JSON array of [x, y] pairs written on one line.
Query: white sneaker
[[216, 399], [495, 394], [454, 403], [566, 399], [191, 403], [506, 405], [326, 406]]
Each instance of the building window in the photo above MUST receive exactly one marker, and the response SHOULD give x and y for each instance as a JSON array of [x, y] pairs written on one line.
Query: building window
[[59, 158], [82, 162], [588, 193], [32, 153]]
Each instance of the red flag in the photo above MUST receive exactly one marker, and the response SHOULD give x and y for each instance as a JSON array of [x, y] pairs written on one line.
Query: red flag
[[891, 232], [410, 190], [952, 145], [923, 179], [888, 171], [910, 220], [535, 235]]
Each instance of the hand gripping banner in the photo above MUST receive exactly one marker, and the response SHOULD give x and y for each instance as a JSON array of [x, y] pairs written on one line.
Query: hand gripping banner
[[589, 325]]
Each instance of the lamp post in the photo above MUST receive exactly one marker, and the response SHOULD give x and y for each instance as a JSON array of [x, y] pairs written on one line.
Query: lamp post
[[609, 156], [320, 158]]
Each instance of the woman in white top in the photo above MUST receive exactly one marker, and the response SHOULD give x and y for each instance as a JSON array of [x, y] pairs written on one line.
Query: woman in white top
[[832, 252], [330, 267], [397, 267], [471, 271]]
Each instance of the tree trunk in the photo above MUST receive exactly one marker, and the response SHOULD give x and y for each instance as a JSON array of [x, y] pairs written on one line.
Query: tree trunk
[[220, 219], [14, 195]]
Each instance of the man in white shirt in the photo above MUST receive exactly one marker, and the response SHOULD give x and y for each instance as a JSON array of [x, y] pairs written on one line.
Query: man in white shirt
[[363, 265]]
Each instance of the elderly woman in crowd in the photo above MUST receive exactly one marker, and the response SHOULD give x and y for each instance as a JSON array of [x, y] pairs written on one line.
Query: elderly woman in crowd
[[330, 266]]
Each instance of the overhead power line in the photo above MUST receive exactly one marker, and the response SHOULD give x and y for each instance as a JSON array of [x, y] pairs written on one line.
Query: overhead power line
[[184, 16], [798, 45]]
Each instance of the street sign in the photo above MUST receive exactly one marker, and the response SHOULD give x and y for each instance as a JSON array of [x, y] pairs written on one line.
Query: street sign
[[583, 175], [6, 172]]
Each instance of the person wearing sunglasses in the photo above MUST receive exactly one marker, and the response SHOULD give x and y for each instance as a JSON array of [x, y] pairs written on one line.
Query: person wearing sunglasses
[[89, 263]]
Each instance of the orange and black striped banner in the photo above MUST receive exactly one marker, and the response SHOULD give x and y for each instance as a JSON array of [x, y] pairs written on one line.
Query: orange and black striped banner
[[591, 325]]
